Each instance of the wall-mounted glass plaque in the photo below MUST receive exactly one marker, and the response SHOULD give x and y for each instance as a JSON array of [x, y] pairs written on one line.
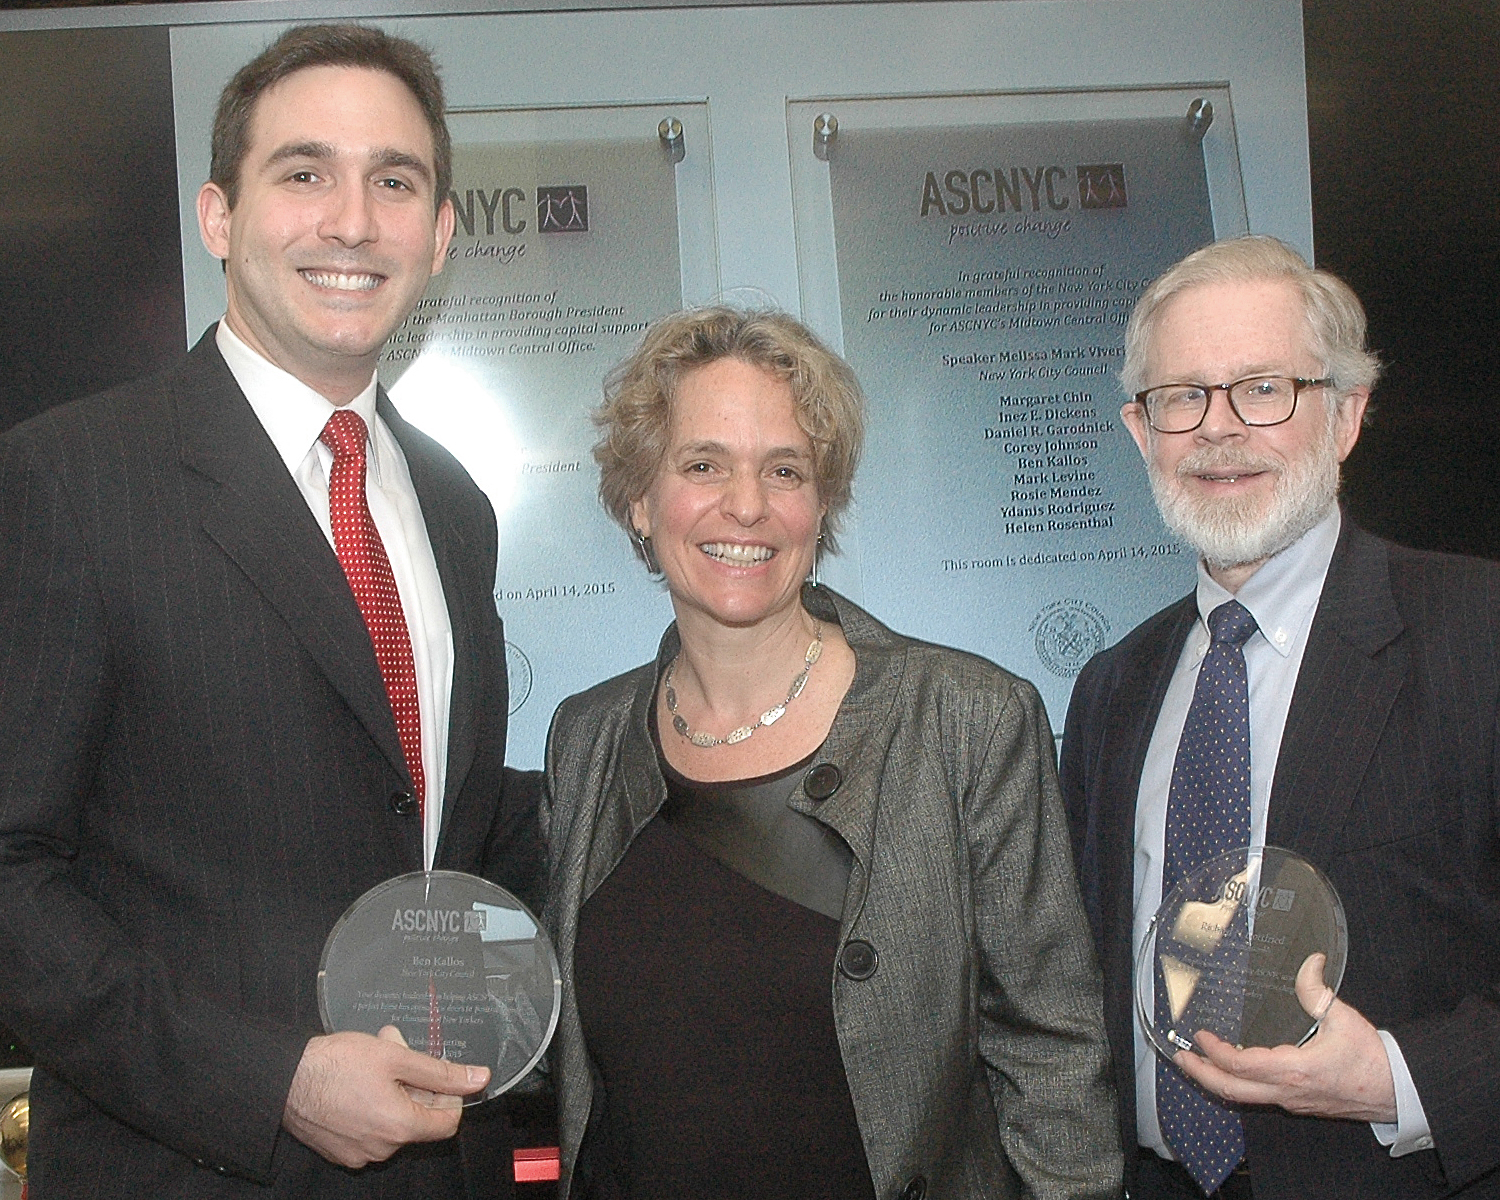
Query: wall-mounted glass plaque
[[977, 258], [576, 227]]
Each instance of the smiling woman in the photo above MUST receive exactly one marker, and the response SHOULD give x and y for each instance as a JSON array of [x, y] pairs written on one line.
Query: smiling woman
[[733, 512], [729, 445], [809, 878]]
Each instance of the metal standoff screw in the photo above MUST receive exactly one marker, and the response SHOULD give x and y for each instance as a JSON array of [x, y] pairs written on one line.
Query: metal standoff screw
[[1200, 115], [670, 132], [825, 129]]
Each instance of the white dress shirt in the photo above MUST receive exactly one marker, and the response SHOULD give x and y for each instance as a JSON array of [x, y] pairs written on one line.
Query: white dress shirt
[[1283, 597], [294, 415]]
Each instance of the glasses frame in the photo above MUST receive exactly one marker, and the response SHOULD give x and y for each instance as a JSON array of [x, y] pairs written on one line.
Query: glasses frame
[[1298, 387]]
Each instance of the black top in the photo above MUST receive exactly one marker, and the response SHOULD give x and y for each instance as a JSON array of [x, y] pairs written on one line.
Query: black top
[[706, 1004], [749, 827]]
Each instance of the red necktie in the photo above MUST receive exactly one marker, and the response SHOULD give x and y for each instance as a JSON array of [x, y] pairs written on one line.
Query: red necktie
[[362, 555]]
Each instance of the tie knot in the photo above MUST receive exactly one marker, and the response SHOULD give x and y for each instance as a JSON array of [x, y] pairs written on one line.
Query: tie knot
[[1231, 622], [345, 433]]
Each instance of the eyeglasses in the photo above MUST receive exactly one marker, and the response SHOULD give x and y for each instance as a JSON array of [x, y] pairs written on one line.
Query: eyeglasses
[[1258, 400]]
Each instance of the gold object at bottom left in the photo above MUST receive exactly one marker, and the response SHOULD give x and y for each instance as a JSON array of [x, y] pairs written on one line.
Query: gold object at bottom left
[[15, 1124]]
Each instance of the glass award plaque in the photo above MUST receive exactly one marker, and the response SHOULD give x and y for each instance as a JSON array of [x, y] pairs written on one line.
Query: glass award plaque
[[1224, 949], [457, 964]]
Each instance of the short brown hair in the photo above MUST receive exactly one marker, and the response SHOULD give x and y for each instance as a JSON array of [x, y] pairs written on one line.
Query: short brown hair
[[305, 46], [1335, 317], [635, 420]]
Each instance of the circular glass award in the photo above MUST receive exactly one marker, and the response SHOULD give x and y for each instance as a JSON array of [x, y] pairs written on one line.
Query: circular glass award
[[1224, 949], [457, 964]]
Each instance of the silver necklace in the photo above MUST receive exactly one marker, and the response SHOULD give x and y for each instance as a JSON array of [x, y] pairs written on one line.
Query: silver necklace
[[769, 717]]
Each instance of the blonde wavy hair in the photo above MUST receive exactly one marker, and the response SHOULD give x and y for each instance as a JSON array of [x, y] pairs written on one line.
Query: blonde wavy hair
[[635, 420]]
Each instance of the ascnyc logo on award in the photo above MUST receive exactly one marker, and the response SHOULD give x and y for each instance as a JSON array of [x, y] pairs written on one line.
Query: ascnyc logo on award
[[437, 920]]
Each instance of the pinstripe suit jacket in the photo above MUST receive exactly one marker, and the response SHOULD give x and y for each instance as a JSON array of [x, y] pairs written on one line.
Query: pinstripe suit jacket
[[976, 1044], [1386, 779], [197, 762]]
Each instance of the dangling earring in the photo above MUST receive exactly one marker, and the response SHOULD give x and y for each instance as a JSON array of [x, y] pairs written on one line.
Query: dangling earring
[[817, 555], [643, 545]]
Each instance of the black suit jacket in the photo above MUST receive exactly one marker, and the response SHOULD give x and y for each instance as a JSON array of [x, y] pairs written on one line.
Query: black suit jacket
[[1386, 779], [197, 767]]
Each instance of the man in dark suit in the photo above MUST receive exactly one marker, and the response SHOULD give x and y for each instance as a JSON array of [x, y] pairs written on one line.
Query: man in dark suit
[[252, 668], [1349, 688]]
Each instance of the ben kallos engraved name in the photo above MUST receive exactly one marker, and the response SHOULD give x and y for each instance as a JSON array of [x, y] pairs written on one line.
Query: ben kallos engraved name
[[439, 966]]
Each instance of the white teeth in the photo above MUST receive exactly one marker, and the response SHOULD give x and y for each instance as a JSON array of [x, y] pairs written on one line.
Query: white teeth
[[736, 555], [342, 283]]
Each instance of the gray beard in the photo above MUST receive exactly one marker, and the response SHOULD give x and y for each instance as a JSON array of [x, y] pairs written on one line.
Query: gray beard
[[1232, 533]]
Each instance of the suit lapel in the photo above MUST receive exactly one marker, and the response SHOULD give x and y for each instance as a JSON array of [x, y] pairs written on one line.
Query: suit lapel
[[1352, 672], [453, 555], [260, 520], [1135, 701]]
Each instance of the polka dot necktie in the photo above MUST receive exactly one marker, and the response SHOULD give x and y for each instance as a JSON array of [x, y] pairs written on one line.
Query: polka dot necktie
[[1208, 814], [362, 555]]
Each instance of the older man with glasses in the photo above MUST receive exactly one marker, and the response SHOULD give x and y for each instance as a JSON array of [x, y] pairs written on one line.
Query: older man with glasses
[[1343, 693]]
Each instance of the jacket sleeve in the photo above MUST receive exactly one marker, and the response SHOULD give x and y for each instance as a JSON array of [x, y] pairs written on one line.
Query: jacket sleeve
[[1076, 778], [1454, 1057], [1042, 1034], [96, 1010]]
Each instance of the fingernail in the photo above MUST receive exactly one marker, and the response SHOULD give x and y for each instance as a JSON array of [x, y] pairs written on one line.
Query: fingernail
[[478, 1075]]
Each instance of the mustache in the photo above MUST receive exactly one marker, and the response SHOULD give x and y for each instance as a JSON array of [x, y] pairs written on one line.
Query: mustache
[[1227, 458]]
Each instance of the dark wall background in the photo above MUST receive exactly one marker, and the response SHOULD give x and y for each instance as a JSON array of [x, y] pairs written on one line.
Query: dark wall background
[[90, 269], [1404, 125]]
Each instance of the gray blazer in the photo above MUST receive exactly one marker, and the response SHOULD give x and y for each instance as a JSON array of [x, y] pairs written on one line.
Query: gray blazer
[[975, 1048]]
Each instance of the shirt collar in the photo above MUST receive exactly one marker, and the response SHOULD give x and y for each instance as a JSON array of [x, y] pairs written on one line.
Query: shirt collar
[[1283, 594], [293, 413]]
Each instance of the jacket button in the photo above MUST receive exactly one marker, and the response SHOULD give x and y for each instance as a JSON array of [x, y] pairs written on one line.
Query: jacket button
[[857, 960], [403, 803], [915, 1189], [822, 781]]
